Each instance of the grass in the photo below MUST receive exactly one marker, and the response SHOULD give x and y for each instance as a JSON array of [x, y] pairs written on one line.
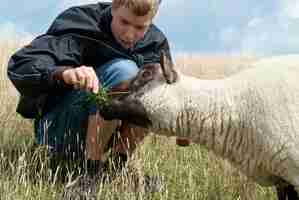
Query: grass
[[187, 172]]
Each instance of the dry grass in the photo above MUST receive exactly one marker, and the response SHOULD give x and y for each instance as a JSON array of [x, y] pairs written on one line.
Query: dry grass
[[212, 66], [10, 122], [188, 173]]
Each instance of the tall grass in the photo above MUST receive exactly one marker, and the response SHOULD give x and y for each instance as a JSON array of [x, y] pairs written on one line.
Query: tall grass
[[187, 172]]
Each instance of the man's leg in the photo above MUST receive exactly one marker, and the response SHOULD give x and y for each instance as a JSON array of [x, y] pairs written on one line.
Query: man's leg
[[114, 77], [63, 128]]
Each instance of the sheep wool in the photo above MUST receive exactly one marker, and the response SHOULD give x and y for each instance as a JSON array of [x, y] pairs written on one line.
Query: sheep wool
[[250, 118]]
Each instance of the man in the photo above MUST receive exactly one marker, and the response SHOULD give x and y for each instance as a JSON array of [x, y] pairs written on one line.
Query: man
[[85, 49]]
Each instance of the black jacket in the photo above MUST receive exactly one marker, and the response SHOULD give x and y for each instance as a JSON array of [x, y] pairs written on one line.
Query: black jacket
[[78, 36]]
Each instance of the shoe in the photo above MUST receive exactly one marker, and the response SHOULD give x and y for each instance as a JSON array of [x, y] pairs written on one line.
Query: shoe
[[85, 186], [145, 183]]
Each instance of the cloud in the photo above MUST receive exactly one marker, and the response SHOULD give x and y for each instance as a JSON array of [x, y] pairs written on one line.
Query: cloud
[[209, 26], [229, 35], [9, 31], [246, 26], [271, 34], [278, 36], [69, 3], [290, 8]]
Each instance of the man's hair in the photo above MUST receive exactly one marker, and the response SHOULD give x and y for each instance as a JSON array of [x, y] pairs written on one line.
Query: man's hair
[[138, 7]]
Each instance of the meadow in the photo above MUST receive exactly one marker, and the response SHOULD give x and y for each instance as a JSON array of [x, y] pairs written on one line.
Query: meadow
[[187, 172]]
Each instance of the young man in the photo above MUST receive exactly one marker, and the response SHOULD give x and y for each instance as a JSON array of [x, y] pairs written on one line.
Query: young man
[[86, 48]]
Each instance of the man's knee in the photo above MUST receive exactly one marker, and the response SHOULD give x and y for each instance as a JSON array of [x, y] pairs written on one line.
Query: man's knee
[[116, 71]]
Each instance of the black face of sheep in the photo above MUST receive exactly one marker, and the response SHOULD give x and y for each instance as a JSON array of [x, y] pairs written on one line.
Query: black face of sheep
[[128, 107], [154, 74], [129, 110]]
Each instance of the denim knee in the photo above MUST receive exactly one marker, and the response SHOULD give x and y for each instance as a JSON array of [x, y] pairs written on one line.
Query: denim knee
[[114, 72]]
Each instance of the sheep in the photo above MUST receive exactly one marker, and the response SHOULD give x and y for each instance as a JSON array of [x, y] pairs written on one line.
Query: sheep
[[250, 118]]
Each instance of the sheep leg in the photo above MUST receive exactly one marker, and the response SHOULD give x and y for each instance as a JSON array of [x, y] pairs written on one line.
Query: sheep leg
[[281, 193], [292, 193], [286, 192]]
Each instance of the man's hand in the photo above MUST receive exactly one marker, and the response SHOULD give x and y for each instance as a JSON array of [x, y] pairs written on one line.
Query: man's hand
[[82, 77]]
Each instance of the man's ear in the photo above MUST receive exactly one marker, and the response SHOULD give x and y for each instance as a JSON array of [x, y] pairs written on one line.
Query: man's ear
[[168, 71]]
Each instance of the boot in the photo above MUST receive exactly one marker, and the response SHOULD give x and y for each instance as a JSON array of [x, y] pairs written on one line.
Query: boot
[[85, 185]]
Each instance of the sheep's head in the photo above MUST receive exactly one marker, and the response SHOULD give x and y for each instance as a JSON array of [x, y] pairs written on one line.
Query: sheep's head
[[150, 76]]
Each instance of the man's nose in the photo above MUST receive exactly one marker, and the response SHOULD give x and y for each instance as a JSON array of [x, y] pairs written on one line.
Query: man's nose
[[130, 35]]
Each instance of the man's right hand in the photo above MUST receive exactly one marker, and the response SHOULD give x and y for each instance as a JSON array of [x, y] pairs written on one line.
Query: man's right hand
[[83, 77]]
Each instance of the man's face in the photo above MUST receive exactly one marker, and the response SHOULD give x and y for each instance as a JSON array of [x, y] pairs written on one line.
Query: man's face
[[128, 28]]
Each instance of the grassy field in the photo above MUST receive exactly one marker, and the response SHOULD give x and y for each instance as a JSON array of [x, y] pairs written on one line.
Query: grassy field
[[187, 172]]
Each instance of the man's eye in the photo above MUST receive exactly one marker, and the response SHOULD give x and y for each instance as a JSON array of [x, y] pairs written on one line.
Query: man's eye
[[140, 28], [124, 22]]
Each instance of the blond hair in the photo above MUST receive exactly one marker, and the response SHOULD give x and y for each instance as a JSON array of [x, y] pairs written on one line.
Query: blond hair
[[138, 7]]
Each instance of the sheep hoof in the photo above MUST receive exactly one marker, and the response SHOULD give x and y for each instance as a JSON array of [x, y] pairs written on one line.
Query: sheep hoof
[[287, 192]]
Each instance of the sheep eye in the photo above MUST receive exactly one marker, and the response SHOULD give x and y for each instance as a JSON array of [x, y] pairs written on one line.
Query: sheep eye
[[146, 74]]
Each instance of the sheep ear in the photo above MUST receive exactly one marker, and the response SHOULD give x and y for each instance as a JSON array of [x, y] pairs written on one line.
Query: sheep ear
[[169, 73]]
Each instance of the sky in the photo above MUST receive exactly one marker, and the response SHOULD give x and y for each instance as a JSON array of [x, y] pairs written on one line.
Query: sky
[[246, 27]]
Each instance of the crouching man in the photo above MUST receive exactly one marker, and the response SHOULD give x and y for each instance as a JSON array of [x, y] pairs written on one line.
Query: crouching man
[[85, 49]]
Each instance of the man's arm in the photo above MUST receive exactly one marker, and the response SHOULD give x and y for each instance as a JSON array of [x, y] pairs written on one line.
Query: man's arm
[[31, 69], [50, 63]]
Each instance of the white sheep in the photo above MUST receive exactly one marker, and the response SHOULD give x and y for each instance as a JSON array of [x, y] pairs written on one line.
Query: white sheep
[[250, 118]]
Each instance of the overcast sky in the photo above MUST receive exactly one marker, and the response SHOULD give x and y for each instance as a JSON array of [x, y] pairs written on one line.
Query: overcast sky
[[259, 27]]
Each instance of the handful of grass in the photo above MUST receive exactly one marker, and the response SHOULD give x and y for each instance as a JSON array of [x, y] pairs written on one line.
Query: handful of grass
[[103, 97]]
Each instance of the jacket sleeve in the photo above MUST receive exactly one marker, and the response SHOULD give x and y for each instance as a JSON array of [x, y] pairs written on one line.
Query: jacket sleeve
[[31, 68]]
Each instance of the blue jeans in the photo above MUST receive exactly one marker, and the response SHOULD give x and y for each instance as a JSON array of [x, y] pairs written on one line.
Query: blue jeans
[[63, 127]]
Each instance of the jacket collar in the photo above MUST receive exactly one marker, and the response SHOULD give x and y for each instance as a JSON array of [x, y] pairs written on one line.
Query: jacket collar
[[105, 21]]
